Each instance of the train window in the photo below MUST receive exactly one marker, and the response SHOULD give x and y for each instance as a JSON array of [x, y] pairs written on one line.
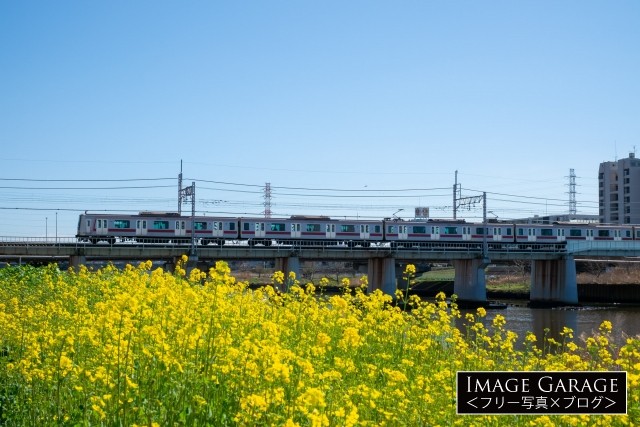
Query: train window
[[603, 233], [419, 229], [160, 225], [627, 233], [480, 230], [376, 229], [313, 227], [199, 225], [121, 223], [546, 231], [391, 229], [277, 226], [246, 226], [348, 228], [450, 230], [520, 231], [508, 232], [575, 233], [232, 226]]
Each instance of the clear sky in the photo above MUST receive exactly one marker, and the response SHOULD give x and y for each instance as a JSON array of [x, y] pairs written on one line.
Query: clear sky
[[347, 108]]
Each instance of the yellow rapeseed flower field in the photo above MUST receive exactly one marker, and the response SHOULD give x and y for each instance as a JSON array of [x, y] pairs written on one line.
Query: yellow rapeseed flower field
[[151, 348]]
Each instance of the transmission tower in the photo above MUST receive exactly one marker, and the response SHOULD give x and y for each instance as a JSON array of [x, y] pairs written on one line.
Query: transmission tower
[[572, 192], [267, 200]]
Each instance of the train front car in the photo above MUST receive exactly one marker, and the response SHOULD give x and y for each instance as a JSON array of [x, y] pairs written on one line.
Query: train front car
[[108, 228]]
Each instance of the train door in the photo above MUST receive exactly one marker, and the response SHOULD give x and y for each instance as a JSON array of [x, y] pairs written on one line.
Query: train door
[[466, 233], [141, 227], [403, 233], [295, 230], [218, 230], [561, 235], [617, 235], [260, 230], [497, 234], [364, 231], [181, 229], [435, 233], [102, 226], [331, 231], [532, 234], [589, 234]]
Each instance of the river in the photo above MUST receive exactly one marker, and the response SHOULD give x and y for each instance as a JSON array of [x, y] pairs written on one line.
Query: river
[[582, 320]]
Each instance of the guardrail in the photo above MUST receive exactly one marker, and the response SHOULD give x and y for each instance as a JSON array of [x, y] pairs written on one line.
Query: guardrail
[[623, 247], [389, 247]]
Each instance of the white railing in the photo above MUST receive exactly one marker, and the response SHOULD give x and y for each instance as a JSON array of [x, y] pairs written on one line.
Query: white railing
[[574, 247]]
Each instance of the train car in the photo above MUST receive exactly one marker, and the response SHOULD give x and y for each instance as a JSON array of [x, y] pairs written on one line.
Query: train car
[[310, 230], [155, 227], [423, 233], [545, 233], [611, 232], [563, 231], [216, 230], [97, 227]]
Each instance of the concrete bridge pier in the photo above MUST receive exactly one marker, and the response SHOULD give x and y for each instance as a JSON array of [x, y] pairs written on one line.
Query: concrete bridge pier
[[469, 283], [76, 261], [553, 282], [287, 265], [382, 275]]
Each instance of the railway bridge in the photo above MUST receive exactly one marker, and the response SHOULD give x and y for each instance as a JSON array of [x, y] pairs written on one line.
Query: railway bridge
[[553, 270]]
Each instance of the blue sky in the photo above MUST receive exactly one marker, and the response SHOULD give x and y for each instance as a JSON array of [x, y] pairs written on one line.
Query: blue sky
[[347, 108]]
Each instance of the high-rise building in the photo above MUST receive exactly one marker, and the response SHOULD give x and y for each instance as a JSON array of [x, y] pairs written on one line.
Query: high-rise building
[[619, 187]]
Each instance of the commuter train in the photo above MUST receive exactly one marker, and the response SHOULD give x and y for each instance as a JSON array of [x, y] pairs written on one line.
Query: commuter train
[[170, 227]]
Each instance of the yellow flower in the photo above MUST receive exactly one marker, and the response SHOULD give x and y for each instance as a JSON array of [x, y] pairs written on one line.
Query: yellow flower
[[278, 277], [606, 327]]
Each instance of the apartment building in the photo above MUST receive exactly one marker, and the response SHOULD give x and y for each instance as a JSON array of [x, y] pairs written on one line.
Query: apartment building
[[619, 191]]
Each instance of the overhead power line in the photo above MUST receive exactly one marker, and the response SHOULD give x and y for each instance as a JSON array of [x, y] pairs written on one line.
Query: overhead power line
[[87, 180], [86, 188]]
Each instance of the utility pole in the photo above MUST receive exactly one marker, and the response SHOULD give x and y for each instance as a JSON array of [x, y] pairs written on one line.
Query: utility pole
[[474, 200], [189, 194], [455, 197], [485, 244]]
